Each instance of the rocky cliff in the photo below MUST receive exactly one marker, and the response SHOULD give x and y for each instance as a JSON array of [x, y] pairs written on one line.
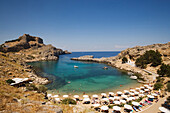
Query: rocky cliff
[[32, 48], [135, 52]]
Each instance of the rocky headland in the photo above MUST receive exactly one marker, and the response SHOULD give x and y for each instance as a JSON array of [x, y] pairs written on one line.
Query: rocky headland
[[32, 49], [149, 74]]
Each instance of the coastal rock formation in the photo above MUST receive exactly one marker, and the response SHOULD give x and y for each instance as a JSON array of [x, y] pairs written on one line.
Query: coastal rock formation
[[132, 54], [23, 42], [32, 48], [135, 52]]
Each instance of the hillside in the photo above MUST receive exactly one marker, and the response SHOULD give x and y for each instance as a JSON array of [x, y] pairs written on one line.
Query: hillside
[[32, 48], [25, 96]]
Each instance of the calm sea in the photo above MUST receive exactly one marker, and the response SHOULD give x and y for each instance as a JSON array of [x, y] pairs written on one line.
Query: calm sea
[[88, 77]]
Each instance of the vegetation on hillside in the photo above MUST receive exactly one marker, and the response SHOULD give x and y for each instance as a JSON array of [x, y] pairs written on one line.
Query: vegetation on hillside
[[158, 85], [168, 86], [68, 101], [164, 70], [124, 60], [150, 57]]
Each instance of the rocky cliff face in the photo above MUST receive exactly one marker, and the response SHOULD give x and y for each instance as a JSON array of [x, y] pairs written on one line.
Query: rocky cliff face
[[32, 48], [135, 52]]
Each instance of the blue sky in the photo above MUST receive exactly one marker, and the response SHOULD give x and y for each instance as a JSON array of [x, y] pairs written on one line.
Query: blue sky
[[87, 25]]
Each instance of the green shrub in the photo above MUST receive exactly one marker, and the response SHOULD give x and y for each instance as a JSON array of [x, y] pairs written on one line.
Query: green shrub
[[150, 57], [31, 87], [158, 85], [164, 70], [9, 81], [160, 79], [168, 86], [139, 99], [124, 60], [121, 105], [41, 89], [110, 106], [68, 101]]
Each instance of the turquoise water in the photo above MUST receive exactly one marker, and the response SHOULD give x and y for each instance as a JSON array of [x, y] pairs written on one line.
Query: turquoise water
[[88, 77]]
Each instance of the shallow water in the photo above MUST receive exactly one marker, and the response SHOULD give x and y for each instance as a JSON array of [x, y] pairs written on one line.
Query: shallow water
[[88, 77]]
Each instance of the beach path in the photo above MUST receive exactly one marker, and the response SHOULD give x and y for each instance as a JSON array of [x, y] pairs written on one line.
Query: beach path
[[155, 107]]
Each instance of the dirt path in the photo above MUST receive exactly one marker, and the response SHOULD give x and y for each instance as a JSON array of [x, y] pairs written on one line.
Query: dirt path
[[155, 107]]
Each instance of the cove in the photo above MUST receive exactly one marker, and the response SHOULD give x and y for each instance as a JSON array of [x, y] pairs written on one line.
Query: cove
[[89, 77]]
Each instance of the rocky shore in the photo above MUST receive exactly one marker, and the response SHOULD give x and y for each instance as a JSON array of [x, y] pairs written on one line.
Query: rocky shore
[[148, 74]]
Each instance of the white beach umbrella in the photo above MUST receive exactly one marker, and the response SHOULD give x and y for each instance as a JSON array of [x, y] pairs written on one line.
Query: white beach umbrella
[[150, 88], [103, 94], [148, 95], [76, 96], [119, 92], [124, 96], [141, 95], [132, 90], [154, 94], [57, 99], [117, 102], [96, 105], [116, 108], [133, 98], [146, 86], [86, 99], [136, 97], [164, 110], [49, 95], [111, 93], [146, 89], [151, 96], [95, 96], [136, 93], [132, 94], [135, 103], [105, 99], [137, 89], [129, 99], [85, 96], [65, 96], [55, 96], [111, 98], [104, 108], [141, 91], [128, 107], [116, 98], [141, 87], [122, 101], [126, 91]]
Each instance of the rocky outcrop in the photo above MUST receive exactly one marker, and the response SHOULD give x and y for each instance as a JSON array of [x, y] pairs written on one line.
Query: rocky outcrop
[[132, 54], [23, 42], [32, 48], [135, 52]]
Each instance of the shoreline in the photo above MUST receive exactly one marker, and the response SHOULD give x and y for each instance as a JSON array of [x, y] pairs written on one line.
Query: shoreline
[[118, 88], [116, 62]]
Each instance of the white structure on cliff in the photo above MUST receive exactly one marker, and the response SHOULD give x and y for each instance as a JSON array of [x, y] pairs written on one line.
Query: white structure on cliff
[[131, 63]]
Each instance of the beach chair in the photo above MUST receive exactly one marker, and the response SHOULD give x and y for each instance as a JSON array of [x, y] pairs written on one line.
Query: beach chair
[[134, 108]]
